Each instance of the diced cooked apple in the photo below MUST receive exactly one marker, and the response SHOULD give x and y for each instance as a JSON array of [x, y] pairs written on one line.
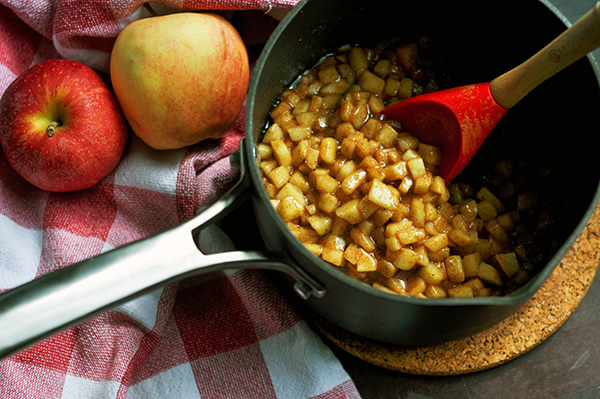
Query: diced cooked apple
[[383, 195]]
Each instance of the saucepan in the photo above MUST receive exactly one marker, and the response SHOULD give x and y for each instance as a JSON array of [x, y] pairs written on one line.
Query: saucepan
[[550, 128]]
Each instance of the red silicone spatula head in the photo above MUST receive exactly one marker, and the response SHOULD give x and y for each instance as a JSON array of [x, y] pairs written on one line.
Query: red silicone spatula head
[[456, 120]]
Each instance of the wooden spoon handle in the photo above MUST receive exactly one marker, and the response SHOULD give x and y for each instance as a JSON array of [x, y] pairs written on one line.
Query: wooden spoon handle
[[574, 43]]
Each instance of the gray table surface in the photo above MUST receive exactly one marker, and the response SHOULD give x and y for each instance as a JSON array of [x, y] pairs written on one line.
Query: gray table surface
[[565, 366]]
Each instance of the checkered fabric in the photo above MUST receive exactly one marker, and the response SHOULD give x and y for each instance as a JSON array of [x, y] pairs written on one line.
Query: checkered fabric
[[220, 335]]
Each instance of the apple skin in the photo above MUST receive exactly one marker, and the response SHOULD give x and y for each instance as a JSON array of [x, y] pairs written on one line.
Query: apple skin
[[90, 133], [180, 78]]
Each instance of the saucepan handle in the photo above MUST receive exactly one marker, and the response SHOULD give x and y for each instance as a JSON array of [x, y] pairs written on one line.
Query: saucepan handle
[[58, 300]]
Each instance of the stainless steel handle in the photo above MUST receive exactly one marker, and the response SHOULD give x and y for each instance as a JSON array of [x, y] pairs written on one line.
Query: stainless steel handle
[[54, 302]]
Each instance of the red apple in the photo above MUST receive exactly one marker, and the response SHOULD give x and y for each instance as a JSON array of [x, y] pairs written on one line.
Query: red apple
[[61, 127]]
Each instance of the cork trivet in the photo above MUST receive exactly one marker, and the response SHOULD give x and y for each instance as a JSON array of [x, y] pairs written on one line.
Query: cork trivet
[[535, 321]]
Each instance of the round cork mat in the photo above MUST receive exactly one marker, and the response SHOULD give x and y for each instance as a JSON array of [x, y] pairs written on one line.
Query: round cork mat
[[535, 321]]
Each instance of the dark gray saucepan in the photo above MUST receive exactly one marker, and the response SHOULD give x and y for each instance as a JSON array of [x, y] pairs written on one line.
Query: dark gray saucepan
[[480, 40]]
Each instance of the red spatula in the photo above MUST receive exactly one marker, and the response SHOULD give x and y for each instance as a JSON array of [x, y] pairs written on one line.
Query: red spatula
[[459, 120]]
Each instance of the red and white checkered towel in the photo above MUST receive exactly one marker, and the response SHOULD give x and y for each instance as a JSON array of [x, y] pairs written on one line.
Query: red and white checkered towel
[[221, 335]]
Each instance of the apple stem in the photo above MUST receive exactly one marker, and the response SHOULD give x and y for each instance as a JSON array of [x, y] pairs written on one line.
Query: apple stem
[[51, 129]]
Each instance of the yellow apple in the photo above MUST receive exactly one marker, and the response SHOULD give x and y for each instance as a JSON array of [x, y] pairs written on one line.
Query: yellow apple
[[180, 78]]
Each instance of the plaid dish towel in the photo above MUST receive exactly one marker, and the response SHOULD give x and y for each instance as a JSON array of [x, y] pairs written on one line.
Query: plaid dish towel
[[219, 335]]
